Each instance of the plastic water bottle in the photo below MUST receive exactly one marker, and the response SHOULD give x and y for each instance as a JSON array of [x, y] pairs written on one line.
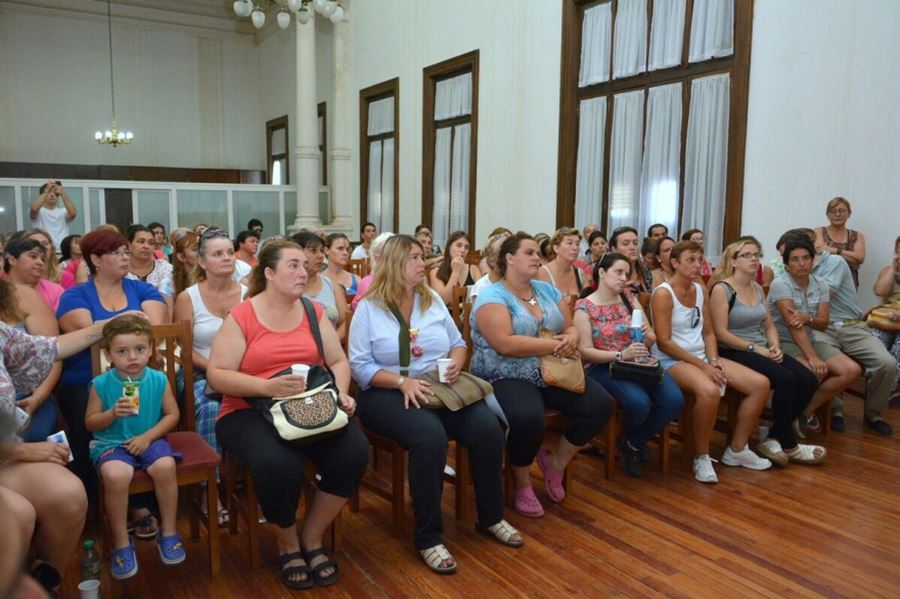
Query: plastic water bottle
[[637, 329], [90, 562]]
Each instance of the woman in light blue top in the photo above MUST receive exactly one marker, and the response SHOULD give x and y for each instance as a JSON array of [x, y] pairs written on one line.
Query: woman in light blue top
[[507, 321], [321, 288], [399, 303]]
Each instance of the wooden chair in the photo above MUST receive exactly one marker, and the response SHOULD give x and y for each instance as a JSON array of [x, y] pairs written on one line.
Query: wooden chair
[[473, 258], [200, 461], [457, 302], [467, 333], [360, 267]]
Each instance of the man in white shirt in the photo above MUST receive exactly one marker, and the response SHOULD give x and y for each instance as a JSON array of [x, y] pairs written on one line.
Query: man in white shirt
[[47, 214], [367, 233]]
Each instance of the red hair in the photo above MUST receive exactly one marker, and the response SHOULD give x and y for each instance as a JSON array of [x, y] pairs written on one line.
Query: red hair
[[98, 243]]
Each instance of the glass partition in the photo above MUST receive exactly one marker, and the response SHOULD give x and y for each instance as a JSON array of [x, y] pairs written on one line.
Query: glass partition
[[201, 206], [94, 197], [153, 206], [262, 205], [7, 209]]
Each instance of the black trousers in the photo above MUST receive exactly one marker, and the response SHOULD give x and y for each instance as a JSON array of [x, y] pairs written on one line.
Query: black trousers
[[277, 467], [793, 386], [423, 432], [524, 404], [73, 399]]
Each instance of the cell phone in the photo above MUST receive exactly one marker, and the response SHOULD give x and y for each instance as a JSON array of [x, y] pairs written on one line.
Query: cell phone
[[60, 437], [23, 419]]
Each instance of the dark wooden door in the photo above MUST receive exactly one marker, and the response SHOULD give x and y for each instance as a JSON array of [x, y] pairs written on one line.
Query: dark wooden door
[[118, 208]]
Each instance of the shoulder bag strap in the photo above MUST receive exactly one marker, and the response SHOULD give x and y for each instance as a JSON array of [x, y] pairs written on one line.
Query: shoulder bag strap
[[402, 339], [316, 332], [729, 290]]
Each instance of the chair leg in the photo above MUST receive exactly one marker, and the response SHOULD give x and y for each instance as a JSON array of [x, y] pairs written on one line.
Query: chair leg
[[398, 488], [212, 523], [462, 480], [824, 414], [509, 486], [337, 531], [733, 400], [188, 501], [612, 428], [229, 474], [354, 502], [252, 523], [664, 450]]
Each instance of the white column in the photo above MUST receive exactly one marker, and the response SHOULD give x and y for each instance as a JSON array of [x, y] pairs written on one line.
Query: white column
[[306, 152], [339, 153]]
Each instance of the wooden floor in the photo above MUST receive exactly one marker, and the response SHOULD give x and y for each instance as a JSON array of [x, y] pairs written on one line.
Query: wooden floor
[[831, 531]]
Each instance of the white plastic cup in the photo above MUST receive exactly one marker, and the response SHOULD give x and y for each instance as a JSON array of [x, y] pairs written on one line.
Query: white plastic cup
[[637, 319], [722, 390], [300, 369], [90, 589], [443, 365]]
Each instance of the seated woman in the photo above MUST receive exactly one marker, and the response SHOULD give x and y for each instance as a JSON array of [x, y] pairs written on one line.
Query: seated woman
[[597, 246], [25, 264], [321, 288], [799, 303], [337, 250], [71, 259], [697, 236], [433, 252], [491, 252], [662, 252], [746, 335], [374, 257], [508, 318], [624, 240], [392, 392], [60, 505], [454, 271], [206, 304], [501, 232], [603, 320], [887, 286], [259, 339], [143, 266], [53, 272], [686, 347], [561, 271], [22, 309], [837, 238], [184, 260]]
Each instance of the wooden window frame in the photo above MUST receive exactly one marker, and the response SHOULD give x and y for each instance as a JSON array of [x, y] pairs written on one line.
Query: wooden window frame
[[322, 113], [430, 76], [379, 91], [272, 126], [737, 66]]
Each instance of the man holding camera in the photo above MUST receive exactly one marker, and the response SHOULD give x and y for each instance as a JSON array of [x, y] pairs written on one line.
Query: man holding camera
[[47, 214]]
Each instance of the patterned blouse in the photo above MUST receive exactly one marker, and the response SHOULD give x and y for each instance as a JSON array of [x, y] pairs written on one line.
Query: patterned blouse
[[847, 246], [609, 324], [25, 361]]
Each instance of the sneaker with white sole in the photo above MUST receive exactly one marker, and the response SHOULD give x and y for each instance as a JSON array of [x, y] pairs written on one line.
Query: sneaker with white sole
[[704, 471], [746, 458]]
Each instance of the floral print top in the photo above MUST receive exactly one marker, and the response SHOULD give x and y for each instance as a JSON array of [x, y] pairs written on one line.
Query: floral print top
[[609, 324], [25, 362]]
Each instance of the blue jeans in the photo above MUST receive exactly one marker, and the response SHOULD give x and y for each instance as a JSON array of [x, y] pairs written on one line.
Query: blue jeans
[[43, 422], [645, 410]]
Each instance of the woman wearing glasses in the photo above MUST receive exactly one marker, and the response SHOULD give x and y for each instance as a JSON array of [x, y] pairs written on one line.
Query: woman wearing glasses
[[748, 336], [686, 347], [836, 238]]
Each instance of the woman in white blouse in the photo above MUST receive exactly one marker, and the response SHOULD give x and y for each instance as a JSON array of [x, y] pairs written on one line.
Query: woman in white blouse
[[391, 397]]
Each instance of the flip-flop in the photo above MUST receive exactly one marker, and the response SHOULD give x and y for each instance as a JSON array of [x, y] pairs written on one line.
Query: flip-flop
[[287, 571], [320, 579]]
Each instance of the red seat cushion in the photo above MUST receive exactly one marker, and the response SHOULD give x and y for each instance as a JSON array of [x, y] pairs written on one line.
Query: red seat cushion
[[196, 453]]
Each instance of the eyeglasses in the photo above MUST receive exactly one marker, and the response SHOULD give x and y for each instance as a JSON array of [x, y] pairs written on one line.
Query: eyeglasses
[[750, 255], [120, 253], [695, 317], [839, 211]]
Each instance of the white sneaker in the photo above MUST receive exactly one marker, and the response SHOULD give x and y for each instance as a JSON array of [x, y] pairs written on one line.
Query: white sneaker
[[745, 458], [704, 471]]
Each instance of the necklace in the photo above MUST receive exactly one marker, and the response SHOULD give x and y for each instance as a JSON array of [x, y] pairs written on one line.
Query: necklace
[[530, 301]]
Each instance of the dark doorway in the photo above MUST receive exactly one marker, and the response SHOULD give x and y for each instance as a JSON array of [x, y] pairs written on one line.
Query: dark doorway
[[118, 208]]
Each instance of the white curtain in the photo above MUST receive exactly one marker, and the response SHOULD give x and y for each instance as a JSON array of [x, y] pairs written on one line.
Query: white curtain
[[453, 97], [662, 158], [589, 168], [440, 217], [625, 158], [381, 117], [712, 29], [459, 180], [666, 34], [630, 46], [387, 185], [596, 31], [373, 196], [706, 158]]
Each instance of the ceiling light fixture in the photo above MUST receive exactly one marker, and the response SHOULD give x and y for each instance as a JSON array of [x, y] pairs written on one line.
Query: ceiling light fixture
[[113, 136], [304, 9]]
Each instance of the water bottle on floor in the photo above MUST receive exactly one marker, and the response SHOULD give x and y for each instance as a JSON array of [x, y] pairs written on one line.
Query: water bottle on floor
[[90, 562]]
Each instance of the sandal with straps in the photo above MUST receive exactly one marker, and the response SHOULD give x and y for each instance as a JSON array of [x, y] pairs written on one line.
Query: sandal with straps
[[503, 533], [435, 557], [288, 571], [318, 577], [807, 454]]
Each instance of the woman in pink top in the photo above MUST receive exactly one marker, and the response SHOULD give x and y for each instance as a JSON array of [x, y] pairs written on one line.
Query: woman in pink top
[[25, 263], [260, 338]]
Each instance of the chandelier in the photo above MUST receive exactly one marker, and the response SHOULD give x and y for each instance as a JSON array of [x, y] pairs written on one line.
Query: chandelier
[[304, 9], [113, 136]]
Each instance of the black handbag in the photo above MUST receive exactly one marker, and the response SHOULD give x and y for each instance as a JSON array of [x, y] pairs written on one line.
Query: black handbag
[[648, 374]]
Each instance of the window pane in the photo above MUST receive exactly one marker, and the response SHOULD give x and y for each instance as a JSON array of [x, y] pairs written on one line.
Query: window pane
[[7, 209], [667, 34], [256, 204], [153, 206], [662, 158], [712, 29], [276, 172], [590, 160], [278, 145], [207, 207], [596, 32], [630, 50], [625, 158], [290, 210], [94, 194]]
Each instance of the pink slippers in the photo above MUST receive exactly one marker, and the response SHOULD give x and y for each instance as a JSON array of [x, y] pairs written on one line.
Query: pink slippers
[[553, 479], [527, 503]]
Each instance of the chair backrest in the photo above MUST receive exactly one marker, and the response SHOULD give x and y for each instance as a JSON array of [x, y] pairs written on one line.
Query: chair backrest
[[359, 267], [467, 332], [473, 257], [457, 299], [174, 344]]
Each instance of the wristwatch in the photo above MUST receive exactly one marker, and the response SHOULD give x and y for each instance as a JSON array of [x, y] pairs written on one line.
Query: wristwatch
[[618, 356], [751, 347], [400, 381]]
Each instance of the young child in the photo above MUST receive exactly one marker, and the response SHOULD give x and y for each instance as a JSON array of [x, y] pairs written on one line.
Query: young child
[[129, 410]]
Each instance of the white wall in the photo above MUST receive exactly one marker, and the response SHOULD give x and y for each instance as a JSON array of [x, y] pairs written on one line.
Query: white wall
[[823, 121], [518, 116], [192, 98]]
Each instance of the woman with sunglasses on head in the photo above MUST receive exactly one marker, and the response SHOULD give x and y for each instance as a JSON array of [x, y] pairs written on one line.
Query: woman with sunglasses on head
[[747, 335], [624, 240], [603, 320], [799, 303], [836, 238], [561, 271], [687, 349], [453, 270]]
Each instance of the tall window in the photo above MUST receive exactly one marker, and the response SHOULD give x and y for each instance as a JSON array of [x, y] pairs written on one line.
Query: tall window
[[378, 131], [277, 168], [653, 114], [449, 145]]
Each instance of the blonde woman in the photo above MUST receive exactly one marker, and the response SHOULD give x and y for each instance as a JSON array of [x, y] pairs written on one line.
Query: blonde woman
[[836, 238], [561, 271], [491, 253]]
